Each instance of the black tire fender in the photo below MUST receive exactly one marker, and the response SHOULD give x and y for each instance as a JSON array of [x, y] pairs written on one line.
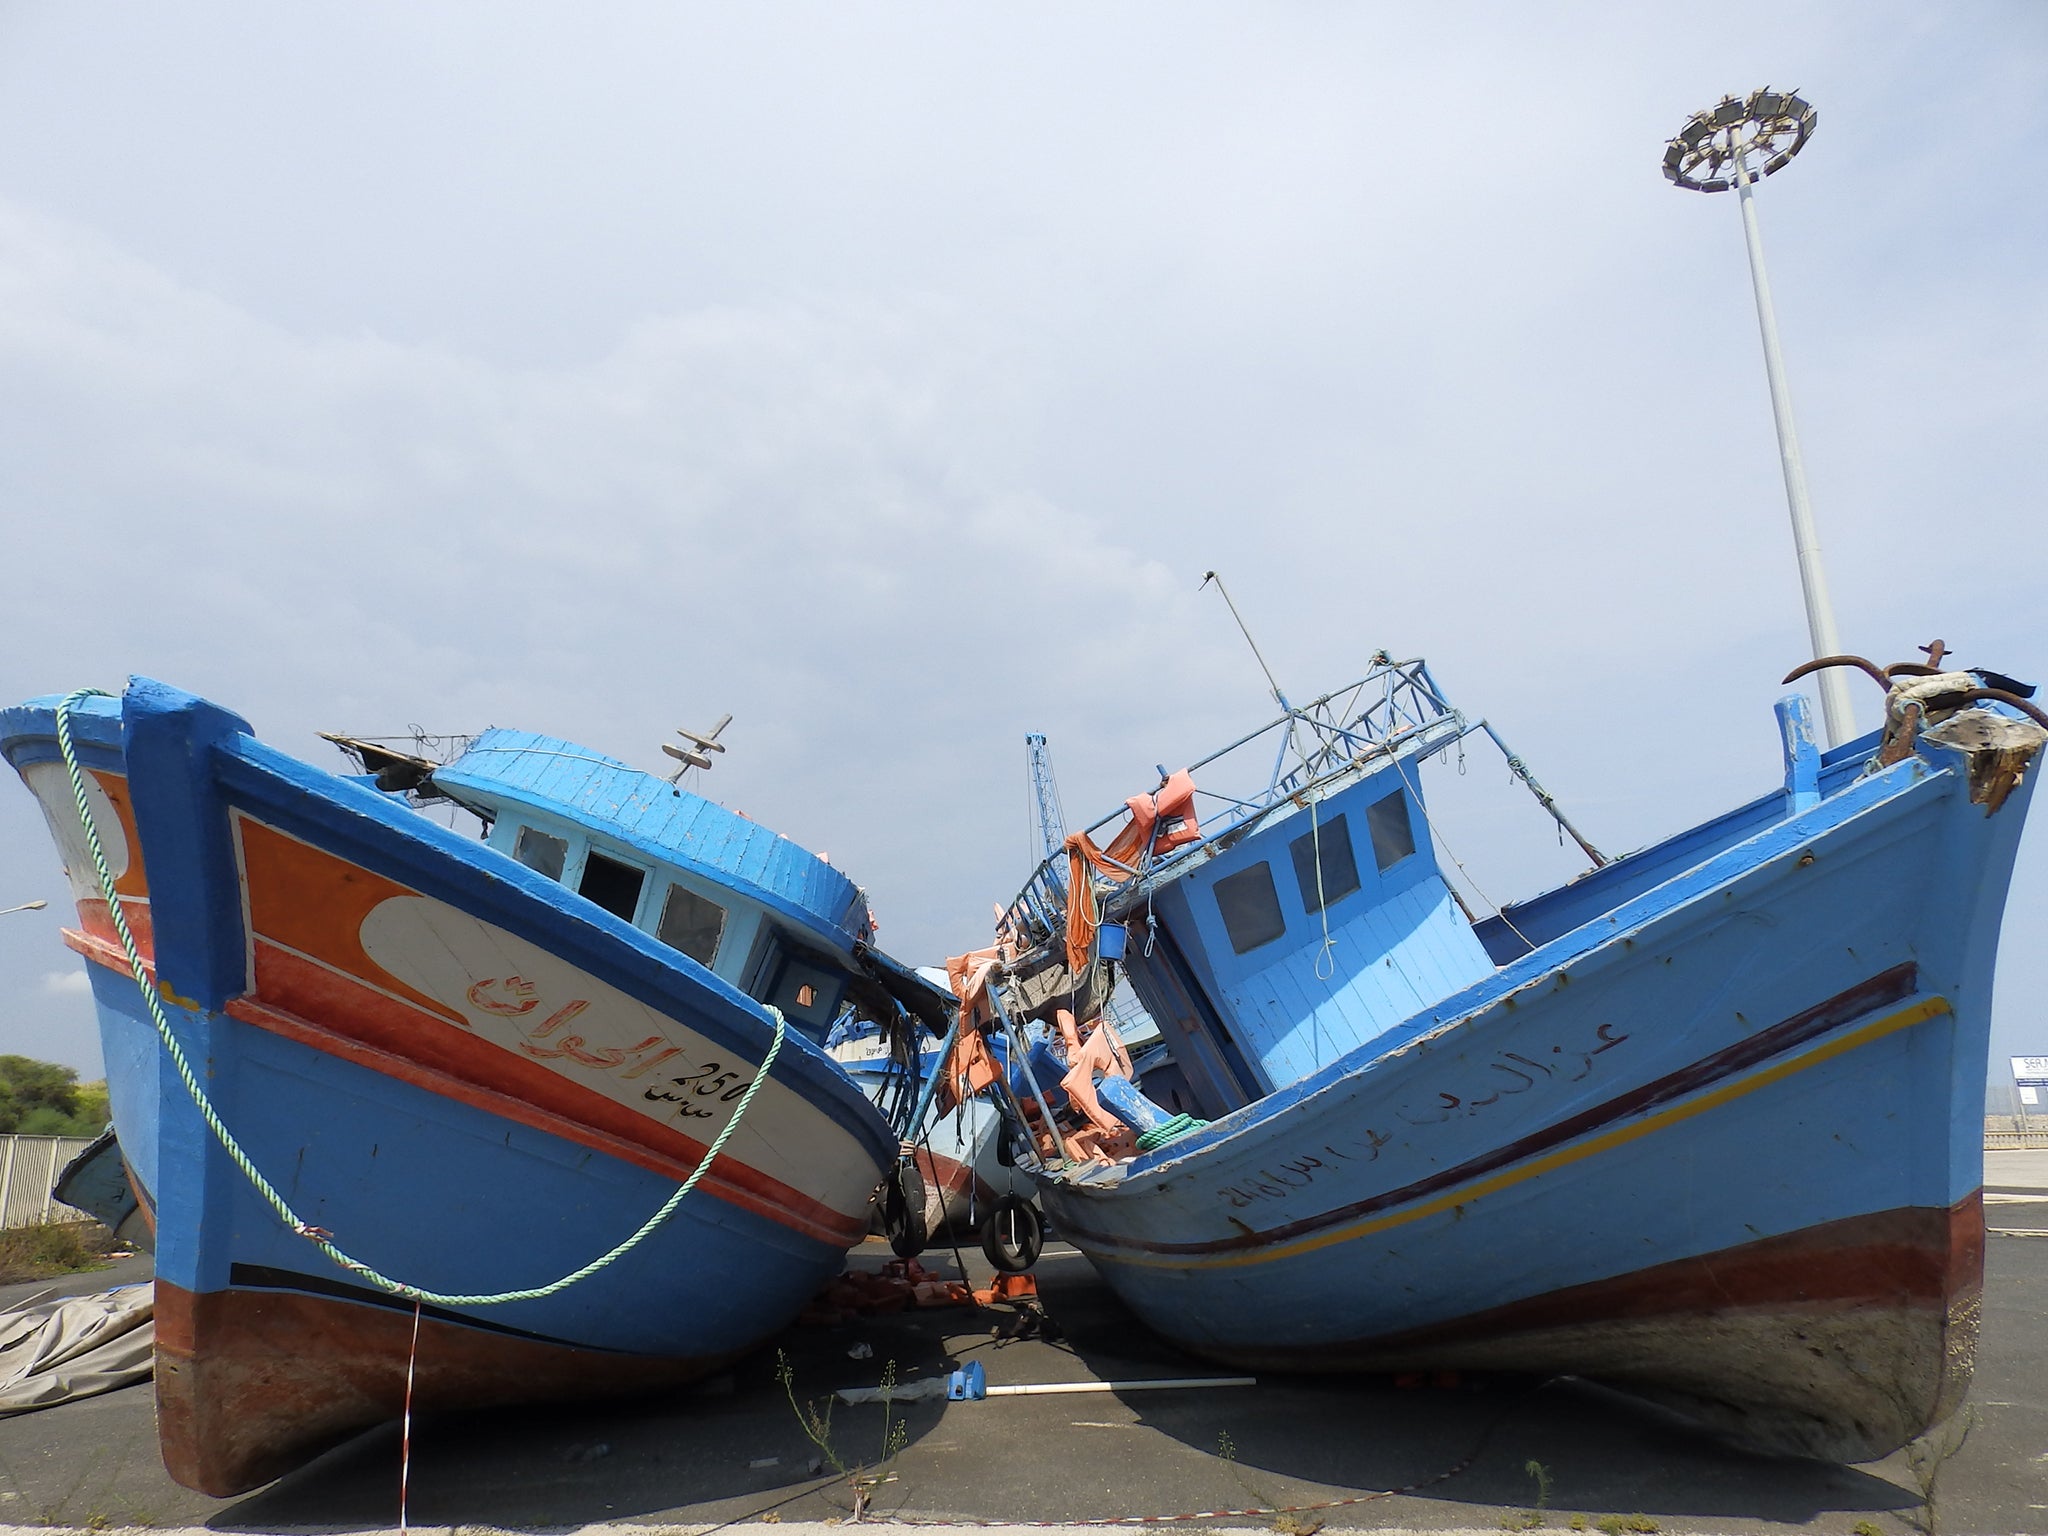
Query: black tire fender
[[903, 1214], [1013, 1235]]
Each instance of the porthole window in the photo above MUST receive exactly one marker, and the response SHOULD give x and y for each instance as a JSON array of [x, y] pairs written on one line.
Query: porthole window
[[1250, 907]]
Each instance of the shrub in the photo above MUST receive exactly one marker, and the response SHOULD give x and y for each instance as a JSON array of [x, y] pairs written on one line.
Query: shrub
[[52, 1248], [40, 1098]]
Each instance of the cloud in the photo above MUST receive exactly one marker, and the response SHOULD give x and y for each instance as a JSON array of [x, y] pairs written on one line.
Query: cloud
[[890, 383], [67, 983]]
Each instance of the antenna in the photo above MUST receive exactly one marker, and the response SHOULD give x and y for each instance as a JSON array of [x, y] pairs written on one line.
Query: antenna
[[1281, 698], [698, 753]]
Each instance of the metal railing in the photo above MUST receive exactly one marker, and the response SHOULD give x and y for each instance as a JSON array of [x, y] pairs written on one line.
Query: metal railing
[[1395, 706]]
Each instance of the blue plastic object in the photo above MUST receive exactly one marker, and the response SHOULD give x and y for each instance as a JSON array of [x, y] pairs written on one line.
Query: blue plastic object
[[968, 1384], [1110, 939]]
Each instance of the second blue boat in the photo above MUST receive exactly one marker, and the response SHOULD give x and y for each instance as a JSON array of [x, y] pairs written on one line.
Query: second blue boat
[[1705, 1123]]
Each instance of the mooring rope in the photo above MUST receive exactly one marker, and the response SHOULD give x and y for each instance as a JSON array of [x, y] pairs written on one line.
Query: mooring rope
[[319, 1236], [412, 1360]]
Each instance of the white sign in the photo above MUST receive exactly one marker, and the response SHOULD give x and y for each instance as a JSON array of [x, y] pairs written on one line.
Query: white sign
[[2030, 1069], [2030, 1095]]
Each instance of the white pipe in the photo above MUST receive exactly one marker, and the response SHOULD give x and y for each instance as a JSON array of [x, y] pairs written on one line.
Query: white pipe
[[1836, 709], [1048, 1388], [936, 1387]]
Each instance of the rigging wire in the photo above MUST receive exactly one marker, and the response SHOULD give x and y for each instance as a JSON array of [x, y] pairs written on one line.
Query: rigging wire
[[1429, 821]]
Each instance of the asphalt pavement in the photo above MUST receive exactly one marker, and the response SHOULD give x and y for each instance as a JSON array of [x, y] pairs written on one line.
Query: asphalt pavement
[[735, 1450]]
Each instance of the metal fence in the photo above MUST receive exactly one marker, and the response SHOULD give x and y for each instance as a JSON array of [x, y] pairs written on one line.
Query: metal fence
[[2012, 1133], [29, 1165]]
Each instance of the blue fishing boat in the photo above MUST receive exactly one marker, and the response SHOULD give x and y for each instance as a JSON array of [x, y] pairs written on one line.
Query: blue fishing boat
[[537, 1116], [1704, 1123]]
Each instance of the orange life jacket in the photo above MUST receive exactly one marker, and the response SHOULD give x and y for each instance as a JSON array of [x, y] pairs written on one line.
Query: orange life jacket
[[1171, 811]]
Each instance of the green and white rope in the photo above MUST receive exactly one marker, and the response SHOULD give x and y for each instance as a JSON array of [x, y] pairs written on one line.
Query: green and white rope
[[319, 1237], [1169, 1131]]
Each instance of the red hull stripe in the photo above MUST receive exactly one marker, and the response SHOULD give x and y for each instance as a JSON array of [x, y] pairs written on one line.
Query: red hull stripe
[[417, 1047], [1915, 1259], [98, 928], [251, 1384], [954, 1178]]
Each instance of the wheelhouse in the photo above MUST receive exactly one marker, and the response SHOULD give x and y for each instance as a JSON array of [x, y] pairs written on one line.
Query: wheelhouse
[[1282, 923], [758, 911]]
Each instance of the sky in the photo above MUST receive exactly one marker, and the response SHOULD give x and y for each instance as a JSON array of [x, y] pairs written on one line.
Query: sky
[[888, 376]]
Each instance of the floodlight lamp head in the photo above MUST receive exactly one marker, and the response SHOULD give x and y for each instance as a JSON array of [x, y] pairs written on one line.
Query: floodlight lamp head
[[1753, 137]]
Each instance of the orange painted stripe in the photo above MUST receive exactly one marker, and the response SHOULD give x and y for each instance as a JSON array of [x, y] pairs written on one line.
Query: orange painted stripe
[[316, 903], [134, 880], [451, 1061], [623, 1133]]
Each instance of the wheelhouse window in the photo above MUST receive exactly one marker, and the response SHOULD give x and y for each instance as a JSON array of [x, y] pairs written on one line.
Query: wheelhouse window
[[691, 924], [1393, 836], [806, 993], [541, 853], [1250, 907], [612, 885], [1339, 868]]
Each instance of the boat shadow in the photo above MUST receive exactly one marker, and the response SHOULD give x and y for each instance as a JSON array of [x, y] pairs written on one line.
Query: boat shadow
[[1305, 1441], [732, 1448]]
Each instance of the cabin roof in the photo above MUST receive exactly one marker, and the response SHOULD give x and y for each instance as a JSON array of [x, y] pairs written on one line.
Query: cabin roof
[[645, 813]]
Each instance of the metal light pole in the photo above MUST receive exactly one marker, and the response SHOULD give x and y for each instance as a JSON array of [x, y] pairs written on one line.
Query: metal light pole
[[26, 906], [1736, 143]]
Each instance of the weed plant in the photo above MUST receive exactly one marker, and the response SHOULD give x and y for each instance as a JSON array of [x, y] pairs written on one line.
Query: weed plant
[[51, 1248], [862, 1480]]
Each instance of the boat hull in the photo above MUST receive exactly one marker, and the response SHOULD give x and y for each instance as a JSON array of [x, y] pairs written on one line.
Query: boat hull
[[475, 1087], [1829, 1342], [1721, 1147], [252, 1383]]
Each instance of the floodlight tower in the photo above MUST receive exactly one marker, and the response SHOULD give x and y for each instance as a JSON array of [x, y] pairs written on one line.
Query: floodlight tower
[[1736, 143]]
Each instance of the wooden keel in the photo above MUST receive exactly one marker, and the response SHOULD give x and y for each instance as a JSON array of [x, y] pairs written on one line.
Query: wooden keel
[[251, 1384]]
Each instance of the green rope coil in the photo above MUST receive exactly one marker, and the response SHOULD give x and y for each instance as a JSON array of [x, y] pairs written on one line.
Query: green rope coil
[[1172, 1130], [320, 1238]]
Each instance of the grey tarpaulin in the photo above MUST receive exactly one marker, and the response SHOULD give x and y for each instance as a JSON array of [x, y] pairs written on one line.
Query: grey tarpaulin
[[74, 1346]]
